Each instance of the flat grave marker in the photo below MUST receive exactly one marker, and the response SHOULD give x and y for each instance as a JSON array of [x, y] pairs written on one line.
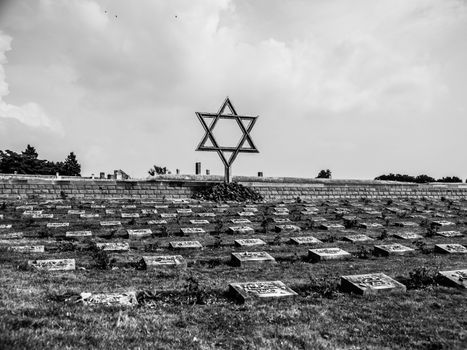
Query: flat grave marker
[[157, 222], [199, 222], [76, 212], [129, 215], [206, 215], [24, 207], [140, 233], [408, 235], [89, 216], [370, 225], [245, 213], [42, 216], [372, 283], [114, 246], [251, 258], [5, 226], [287, 228], [32, 212], [281, 220], [129, 206], [249, 242], [57, 224], [27, 249], [78, 234], [442, 223], [241, 230], [110, 211], [96, 206], [164, 261], [110, 299], [168, 215], [185, 245], [184, 211], [252, 209], [110, 223], [320, 254], [392, 249], [305, 240], [449, 234], [406, 224], [12, 235], [161, 206], [53, 264], [453, 248], [357, 238], [148, 211], [457, 278], [240, 221], [280, 213], [191, 230], [257, 291], [330, 226]]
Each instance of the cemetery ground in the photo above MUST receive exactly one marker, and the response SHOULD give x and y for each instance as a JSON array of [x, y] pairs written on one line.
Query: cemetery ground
[[116, 299]]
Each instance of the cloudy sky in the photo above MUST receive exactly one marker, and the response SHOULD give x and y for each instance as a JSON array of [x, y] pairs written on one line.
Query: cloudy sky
[[362, 87]]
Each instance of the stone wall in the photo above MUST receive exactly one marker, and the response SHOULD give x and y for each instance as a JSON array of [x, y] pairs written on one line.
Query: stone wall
[[173, 186]]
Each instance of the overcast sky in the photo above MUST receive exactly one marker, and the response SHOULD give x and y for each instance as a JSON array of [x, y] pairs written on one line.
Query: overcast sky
[[360, 87]]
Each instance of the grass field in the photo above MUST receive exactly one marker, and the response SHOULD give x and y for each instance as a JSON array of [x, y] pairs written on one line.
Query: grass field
[[192, 309]]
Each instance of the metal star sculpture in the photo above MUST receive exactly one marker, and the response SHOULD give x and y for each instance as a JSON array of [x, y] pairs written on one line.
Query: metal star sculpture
[[245, 129]]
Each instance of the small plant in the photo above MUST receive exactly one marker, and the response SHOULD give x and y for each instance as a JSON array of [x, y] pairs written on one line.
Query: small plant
[[384, 234], [324, 287], [363, 253], [266, 223], [101, 258], [228, 192], [421, 277], [63, 195]]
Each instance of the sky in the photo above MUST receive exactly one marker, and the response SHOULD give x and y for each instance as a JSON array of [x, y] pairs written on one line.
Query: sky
[[360, 87]]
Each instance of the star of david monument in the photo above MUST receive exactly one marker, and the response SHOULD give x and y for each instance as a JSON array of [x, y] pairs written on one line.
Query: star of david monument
[[228, 154]]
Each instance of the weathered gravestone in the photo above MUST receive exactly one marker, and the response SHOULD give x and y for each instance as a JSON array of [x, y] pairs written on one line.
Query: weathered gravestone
[[246, 213], [5, 226], [372, 283], [240, 221], [453, 248], [168, 215], [449, 234], [129, 206], [110, 299], [53, 265], [206, 215], [76, 212], [457, 278], [258, 291], [191, 230], [78, 234], [163, 262], [129, 215], [442, 223], [199, 222], [320, 254], [185, 245], [370, 225], [241, 230], [157, 222], [57, 224], [305, 240], [141, 233], [281, 220], [357, 238], [27, 249], [330, 226], [113, 246], [287, 228], [184, 211], [110, 223], [407, 235], [392, 249], [251, 258], [89, 216], [406, 224], [249, 242], [12, 235], [42, 216]]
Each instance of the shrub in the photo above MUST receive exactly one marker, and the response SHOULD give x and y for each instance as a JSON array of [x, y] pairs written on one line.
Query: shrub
[[324, 174], [228, 192], [421, 277]]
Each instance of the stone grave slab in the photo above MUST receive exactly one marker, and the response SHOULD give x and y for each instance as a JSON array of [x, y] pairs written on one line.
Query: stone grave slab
[[76, 212], [249, 242], [408, 235], [157, 222], [241, 230], [1, 216], [280, 213], [164, 261], [287, 228], [195, 206], [370, 225], [129, 206], [206, 215], [330, 226], [57, 224], [148, 211], [449, 234], [89, 216], [129, 215], [317, 220], [113, 246], [253, 209], [110, 223], [42, 216], [168, 215], [110, 299], [52, 264], [27, 249], [372, 283], [161, 206], [225, 206], [185, 245], [12, 235], [320, 254], [184, 211], [191, 230], [5, 226], [281, 220], [245, 213], [180, 201], [453, 248], [406, 224], [240, 221], [97, 206], [110, 211], [457, 278], [305, 240], [251, 258], [281, 209], [442, 223], [149, 202], [392, 249], [357, 238], [78, 234], [199, 222], [257, 291], [24, 207], [140, 233], [32, 212]]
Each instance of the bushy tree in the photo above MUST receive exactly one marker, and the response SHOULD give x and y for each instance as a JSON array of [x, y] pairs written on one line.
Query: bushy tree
[[453, 179], [158, 170], [70, 167], [324, 174]]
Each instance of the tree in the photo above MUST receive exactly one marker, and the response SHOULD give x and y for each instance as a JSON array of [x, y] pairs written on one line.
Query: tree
[[452, 179], [421, 179], [324, 174], [30, 152], [158, 170], [70, 167]]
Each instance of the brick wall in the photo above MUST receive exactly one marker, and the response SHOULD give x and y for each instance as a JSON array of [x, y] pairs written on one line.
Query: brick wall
[[184, 186]]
